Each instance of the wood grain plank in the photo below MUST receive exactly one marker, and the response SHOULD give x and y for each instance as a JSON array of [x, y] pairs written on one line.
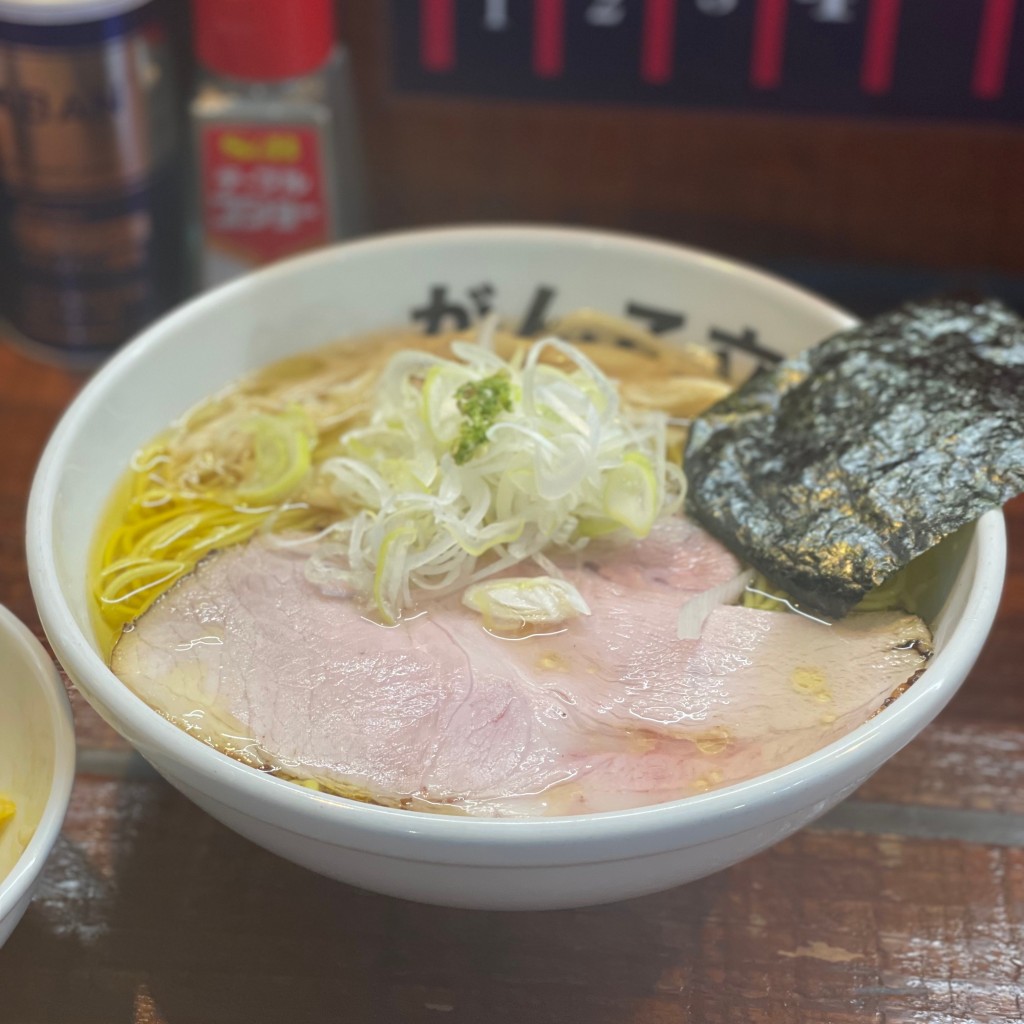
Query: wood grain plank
[[32, 397], [150, 911], [956, 763]]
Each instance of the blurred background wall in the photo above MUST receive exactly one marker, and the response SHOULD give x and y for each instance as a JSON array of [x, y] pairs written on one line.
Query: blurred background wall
[[871, 149], [879, 152]]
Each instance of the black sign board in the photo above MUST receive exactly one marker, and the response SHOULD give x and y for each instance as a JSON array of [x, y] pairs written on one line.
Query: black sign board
[[902, 58]]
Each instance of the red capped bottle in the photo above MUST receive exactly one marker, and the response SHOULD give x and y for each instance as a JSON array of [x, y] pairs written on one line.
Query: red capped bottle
[[276, 142]]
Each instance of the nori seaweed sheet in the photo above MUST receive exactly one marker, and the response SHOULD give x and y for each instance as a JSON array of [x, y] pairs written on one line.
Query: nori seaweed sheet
[[831, 471]]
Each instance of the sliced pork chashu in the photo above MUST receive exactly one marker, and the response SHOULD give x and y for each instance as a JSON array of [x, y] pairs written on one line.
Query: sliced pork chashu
[[612, 711]]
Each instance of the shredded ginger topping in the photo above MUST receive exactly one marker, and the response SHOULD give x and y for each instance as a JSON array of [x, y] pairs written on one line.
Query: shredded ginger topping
[[474, 465]]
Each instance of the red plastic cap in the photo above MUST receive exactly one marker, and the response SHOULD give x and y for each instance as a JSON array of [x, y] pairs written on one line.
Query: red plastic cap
[[261, 40]]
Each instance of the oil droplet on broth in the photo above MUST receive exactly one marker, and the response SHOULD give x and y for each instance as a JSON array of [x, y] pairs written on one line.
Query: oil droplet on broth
[[714, 741], [708, 781], [811, 682], [641, 741], [553, 661]]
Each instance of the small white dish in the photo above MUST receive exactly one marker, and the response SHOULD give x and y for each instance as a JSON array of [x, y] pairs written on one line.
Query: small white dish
[[37, 764]]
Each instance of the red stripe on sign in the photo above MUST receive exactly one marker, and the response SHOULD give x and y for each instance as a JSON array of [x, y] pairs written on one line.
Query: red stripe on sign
[[437, 34], [548, 38], [658, 53], [880, 46], [769, 44], [993, 53]]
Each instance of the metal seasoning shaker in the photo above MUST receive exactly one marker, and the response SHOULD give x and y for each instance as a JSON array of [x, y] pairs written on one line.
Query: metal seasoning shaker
[[92, 219], [274, 126]]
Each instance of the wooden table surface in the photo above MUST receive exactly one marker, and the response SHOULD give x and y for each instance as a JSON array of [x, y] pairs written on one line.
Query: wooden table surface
[[906, 904]]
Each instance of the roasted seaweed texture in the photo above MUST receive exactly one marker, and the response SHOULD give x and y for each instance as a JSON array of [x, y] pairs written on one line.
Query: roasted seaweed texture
[[831, 471]]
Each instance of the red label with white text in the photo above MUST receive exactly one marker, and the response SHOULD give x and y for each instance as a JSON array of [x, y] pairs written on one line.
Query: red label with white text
[[263, 193]]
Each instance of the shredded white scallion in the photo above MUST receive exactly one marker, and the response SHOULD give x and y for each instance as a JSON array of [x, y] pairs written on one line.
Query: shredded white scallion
[[556, 461]]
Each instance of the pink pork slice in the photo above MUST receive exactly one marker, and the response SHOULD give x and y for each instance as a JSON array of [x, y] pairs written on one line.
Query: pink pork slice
[[610, 711]]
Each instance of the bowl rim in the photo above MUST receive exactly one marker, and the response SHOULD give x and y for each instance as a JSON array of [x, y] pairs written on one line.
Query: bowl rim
[[810, 776], [39, 665]]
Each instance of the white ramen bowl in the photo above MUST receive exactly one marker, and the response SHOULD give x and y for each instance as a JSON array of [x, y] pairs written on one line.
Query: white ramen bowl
[[37, 764], [418, 277]]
